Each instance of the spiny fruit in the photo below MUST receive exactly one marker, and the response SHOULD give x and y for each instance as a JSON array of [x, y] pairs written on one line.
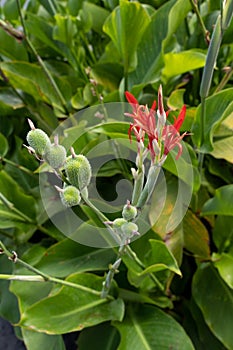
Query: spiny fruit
[[55, 155], [70, 196], [130, 229], [78, 170], [117, 223], [129, 212], [38, 140]]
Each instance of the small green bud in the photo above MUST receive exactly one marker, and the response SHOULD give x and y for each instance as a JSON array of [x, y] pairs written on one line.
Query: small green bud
[[55, 155], [117, 223], [78, 171], [129, 212], [130, 229], [38, 140], [70, 196]]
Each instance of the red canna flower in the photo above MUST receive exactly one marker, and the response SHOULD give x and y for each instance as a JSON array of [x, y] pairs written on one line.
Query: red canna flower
[[144, 122]]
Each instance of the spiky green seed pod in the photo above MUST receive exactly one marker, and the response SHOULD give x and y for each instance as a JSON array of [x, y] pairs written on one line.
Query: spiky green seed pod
[[70, 196], [117, 223], [78, 171], [129, 212], [55, 155], [129, 229], [38, 140]]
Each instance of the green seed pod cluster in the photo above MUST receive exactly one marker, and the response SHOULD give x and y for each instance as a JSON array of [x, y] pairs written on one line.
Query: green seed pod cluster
[[70, 196], [129, 212], [78, 171], [129, 229], [55, 155], [38, 140]]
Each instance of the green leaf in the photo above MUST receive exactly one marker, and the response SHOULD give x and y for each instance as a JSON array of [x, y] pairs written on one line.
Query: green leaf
[[31, 79], [181, 62], [103, 336], [223, 149], [11, 48], [223, 233], [163, 25], [196, 237], [14, 193], [158, 260], [67, 257], [215, 299], [224, 263], [70, 309], [98, 15], [3, 146], [221, 203], [147, 327], [218, 107], [125, 26], [37, 341]]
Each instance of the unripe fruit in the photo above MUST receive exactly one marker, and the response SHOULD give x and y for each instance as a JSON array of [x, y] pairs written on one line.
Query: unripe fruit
[[130, 229], [55, 155], [70, 196], [38, 140], [78, 171], [117, 223], [129, 212]]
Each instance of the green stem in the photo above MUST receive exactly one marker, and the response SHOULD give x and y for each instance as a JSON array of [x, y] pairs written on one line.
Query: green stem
[[11, 206], [41, 277], [206, 33], [224, 80], [40, 61]]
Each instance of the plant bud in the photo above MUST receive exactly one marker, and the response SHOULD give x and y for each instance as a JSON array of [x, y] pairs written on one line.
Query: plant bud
[[129, 212], [78, 171], [130, 229], [55, 155], [38, 140], [70, 196]]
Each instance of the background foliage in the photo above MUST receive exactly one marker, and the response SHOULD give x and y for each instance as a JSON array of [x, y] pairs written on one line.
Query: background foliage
[[57, 57]]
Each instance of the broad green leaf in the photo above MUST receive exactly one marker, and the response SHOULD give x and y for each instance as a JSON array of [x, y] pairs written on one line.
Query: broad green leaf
[[11, 48], [31, 79], [220, 168], [108, 74], [37, 341], [3, 146], [196, 237], [176, 99], [67, 257], [14, 193], [8, 301], [218, 107], [215, 299], [159, 260], [223, 233], [163, 25], [181, 62], [198, 330], [147, 327], [8, 101], [223, 149], [65, 28], [71, 309], [98, 15], [165, 215], [125, 26], [224, 264], [103, 336], [221, 203]]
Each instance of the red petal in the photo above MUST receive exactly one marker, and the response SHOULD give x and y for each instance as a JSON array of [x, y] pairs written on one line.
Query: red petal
[[180, 119], [131, 99]]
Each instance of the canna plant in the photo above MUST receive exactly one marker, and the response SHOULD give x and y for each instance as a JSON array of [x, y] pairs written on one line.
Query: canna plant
[[120, 229]]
